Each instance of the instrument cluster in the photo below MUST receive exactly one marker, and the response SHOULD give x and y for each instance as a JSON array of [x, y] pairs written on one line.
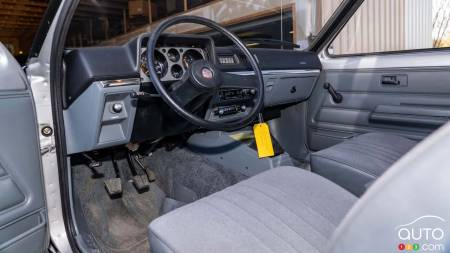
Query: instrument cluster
[[171, 62]]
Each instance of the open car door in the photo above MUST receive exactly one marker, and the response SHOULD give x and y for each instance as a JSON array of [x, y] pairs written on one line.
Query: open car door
[[23, 214]]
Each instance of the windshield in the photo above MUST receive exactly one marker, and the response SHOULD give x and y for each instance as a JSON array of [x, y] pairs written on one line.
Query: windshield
[[282, 24]]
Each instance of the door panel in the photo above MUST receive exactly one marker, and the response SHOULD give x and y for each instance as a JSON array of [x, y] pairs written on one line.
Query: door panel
[[23, 219], [414, 104]]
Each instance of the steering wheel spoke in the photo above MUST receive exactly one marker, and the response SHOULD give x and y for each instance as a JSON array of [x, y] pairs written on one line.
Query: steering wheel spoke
[[183, 92]]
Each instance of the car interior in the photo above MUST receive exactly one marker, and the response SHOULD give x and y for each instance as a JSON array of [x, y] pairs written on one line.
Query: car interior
[[162, 155], [200, 142], [163, 151]]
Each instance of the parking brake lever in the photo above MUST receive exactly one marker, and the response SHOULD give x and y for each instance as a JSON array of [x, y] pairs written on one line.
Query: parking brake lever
[[337, 97]]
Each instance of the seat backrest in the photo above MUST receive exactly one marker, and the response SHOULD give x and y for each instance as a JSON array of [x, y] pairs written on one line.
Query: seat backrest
[[408, 208]]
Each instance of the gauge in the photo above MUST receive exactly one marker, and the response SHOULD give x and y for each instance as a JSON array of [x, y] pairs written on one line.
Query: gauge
[[144, 63], [173, 55], [190, 56], [160, 64], [177, 71]]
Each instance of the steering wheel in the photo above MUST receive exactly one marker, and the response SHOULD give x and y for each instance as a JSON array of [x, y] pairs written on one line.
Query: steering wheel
[[204, 79]]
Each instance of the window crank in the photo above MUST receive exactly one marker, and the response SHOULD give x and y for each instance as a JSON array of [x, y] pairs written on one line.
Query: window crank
[[337, 97]]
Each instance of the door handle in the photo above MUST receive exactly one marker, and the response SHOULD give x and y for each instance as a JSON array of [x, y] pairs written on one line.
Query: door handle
[[390, 80]]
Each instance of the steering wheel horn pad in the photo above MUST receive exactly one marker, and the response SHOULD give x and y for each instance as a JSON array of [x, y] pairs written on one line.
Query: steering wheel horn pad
[[204, 75]]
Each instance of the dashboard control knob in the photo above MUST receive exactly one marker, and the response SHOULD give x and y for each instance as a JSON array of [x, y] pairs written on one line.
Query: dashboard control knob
[[117, 108], [253, 91], [243, 108], [221, 112]]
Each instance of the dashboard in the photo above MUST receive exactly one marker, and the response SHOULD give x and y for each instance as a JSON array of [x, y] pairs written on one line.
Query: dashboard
[[103, 108]]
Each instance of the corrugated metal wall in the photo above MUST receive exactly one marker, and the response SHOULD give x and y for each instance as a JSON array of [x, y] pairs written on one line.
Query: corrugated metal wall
[[419, 24], [383, 25]]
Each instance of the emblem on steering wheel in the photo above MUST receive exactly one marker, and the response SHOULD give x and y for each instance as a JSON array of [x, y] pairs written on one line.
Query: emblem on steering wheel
[[207, 73]]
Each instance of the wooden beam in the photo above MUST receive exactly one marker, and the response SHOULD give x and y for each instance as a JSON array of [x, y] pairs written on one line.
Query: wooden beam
[[91, 34], [89, 9], [18, 22], [13, 33], [33, 4], [5, 16], [118, 5], [150, 18], [22, 8], [9, 13], [124, 22]]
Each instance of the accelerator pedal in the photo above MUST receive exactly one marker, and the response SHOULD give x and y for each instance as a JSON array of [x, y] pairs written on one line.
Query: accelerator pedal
[[141, 183], [149, 173]]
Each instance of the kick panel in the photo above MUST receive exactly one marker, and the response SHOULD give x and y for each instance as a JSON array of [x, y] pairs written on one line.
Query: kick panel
[[102, 116]]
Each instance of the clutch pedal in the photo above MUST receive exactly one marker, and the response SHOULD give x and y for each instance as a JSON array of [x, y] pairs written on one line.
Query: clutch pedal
[[93, 165]]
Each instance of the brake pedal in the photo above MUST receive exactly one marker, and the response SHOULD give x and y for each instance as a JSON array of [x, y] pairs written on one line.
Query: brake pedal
[[113, 187]]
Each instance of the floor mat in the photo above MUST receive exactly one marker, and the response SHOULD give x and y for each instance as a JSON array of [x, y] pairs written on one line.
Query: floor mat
[[118, 225], [181, 168], [121, 225]]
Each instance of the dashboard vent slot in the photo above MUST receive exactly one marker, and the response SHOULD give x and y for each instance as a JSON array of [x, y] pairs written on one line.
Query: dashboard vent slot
[[243, 59], [228, 59]]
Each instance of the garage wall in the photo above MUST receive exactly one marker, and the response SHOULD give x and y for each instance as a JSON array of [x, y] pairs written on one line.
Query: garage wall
[[383, 25], [419, 24], [224, 12]]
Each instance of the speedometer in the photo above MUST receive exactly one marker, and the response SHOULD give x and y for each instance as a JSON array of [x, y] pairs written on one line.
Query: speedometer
[[173, 55], [190, 56], [160, 64]]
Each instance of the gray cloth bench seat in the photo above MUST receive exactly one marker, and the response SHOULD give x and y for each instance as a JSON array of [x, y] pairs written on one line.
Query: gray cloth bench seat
[[285, 209], [354, 164]]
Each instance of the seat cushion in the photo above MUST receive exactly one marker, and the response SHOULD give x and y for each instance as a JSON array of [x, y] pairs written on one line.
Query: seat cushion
[[285, 209], [354, 164]]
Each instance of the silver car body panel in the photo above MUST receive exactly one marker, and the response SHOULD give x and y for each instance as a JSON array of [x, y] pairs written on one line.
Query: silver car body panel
[[38, 73]]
